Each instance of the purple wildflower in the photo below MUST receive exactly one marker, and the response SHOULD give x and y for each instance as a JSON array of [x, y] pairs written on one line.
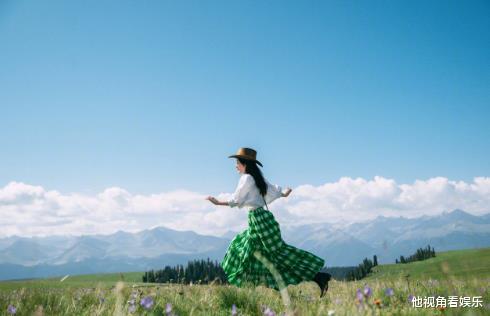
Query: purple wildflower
[[359, 295], [168, 308], [389, 291], [269, 312], [410, 298], [367, 291], [132, 308], [233, 310], [11, 309], [147, 302]]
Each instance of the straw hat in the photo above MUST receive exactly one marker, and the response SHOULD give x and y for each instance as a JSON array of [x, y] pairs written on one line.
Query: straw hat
[[246, 153]]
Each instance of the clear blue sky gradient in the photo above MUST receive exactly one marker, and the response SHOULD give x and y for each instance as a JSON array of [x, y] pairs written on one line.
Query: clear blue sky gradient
[[154, 95]]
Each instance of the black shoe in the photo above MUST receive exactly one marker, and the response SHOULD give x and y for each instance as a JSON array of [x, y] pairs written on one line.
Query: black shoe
[[322, 278]]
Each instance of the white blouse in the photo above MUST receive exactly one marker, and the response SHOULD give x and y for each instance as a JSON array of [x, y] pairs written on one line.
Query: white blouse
[[247, 193]]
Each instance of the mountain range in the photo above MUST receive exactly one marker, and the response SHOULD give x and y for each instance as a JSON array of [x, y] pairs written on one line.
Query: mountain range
[[348, 245]]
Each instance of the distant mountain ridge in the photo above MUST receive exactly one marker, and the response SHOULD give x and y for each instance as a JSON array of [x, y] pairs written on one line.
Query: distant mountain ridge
[[387, 237]]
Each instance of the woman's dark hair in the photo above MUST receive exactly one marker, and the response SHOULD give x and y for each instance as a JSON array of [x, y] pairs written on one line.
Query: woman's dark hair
[[253, 170]]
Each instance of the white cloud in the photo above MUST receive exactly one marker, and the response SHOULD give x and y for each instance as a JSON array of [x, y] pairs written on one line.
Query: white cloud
[[29, 210]]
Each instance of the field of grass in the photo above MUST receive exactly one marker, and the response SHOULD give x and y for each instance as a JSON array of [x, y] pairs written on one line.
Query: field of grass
[[463, 273], [106, 280], [458, 264]]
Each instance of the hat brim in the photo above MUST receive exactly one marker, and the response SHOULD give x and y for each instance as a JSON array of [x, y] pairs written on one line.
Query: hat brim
[[245, 157]]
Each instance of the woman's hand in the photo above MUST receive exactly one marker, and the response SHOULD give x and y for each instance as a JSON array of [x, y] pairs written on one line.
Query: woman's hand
[[216, 202], [288, 191], [213, 200]]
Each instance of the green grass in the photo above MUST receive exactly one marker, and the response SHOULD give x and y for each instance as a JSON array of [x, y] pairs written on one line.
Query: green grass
[[458, 264], [462, 273], [105, 280]]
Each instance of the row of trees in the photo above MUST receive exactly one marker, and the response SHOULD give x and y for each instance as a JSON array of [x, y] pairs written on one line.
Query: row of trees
[[205, 271], [196, 271], [421, 254], [365, 267], [362, 270]]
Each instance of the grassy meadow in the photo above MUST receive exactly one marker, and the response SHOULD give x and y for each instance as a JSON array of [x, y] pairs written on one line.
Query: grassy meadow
[[462, 273]]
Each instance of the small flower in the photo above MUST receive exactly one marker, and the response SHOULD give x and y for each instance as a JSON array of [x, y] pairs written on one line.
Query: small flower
[[132, 308], [367, 291], [147, 302], [410, 298], [359, 295], [11, 309], [331, 312], [389, 292], [168, 308], [377, 302], [233, 310], [269, 312], [338, 301]]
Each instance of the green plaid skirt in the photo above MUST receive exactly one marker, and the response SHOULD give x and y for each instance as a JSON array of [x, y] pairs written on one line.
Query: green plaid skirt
[[263, 234]]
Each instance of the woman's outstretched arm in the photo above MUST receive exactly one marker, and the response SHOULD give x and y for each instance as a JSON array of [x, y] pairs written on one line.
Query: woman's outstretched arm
[[274, 192], [216, 202]]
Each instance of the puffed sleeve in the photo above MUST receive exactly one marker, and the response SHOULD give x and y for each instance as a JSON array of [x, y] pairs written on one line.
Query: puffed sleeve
[[274, 191], [243, 187]]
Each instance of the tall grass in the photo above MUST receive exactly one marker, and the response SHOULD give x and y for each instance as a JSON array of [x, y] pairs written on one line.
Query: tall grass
[[341, 299], [386, 292]]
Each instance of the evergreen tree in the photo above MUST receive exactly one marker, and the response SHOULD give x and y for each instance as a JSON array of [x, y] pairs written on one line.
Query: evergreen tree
[[196, 271], [420, 254]]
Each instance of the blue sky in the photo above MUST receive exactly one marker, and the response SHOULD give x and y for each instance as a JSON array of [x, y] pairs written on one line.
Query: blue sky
[[153, 96]]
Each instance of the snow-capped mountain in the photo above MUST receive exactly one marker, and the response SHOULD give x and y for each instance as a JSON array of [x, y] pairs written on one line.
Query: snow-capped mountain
[[386, 237]]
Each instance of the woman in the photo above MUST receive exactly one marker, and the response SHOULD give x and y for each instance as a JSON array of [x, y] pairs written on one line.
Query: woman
[[263, 234]]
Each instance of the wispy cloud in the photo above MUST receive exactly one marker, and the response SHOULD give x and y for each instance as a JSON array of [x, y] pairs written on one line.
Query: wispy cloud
[[29, 210]]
